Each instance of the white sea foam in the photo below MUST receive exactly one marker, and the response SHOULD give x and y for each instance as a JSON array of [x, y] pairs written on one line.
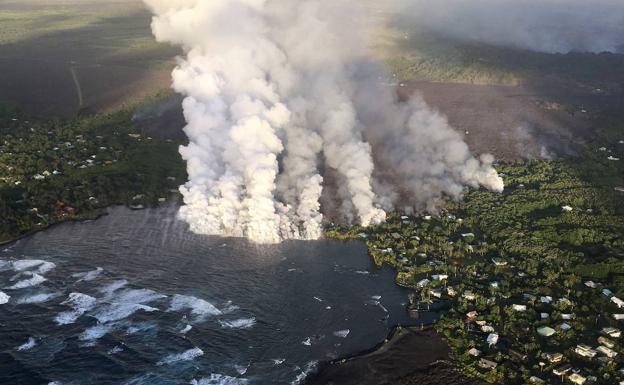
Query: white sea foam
[[278, 361], [309, 368], [241, 323], [318, 299], [4, 298], [363, 272], [307, 342], [119, 311], [115, 350], [186, 329], [140, 296], [376, 297], [96, 332], [34, 280], [36, 298], [46, 267], [220, 379], [88, 275], [241, 369], [31, 343], [199, 307], [185, 356], [26, 264], [80, 303], [342, 333], [111, 288]]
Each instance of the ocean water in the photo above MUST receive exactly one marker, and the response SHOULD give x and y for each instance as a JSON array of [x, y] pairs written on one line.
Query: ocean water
[[135, 298]]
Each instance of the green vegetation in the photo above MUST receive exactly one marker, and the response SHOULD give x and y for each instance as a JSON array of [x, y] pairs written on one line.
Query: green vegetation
[[539, 254], [52, 171], [428, 57]]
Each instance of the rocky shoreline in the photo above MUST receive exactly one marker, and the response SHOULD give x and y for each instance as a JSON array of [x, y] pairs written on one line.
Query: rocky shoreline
[[409, 356]]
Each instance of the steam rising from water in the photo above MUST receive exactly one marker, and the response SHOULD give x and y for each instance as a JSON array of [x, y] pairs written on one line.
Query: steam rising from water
[[281, 93]]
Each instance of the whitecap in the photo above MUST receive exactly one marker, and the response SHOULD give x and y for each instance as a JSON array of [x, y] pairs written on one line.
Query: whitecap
[[140, 296], [241, 369], [186, 329], [34, 280], [4, 298], [310, 366], [36, 298], [376, 297], [115, 350], [342, 333], [229, 308], [220, 379], [46, 267], [31, 343], [109, 289], [26, 264], [198, 306], [241, 323], [278, 361], [307, 342], [118, 311], [185, 356], [81, 303], [363, 272], [318, 299], [88, 275], [140, 327], [95, 332]]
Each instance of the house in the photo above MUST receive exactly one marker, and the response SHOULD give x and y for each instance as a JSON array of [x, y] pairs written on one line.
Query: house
[[606, 342], [466, 235], [436, 293], [562, 370], [499, 262], [487, 364], [536, 380], [612, 332], [576, 378], [451, 291], [546, 299], [487, 329], [618, 317], [566, 316], [606, 351], [521, 308], [469, 295], [492, 339], [544, 315], [553, 357], [566, 208], [439, 277], [607, 292], [422, 283], [494, 284], [474, 352], [545, 331], [585, 351], [591, 284], [617, 301], [565, 327], [517, 355], [472, 315]]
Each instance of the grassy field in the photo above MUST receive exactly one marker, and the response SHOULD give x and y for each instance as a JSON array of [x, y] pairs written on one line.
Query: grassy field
[[50, 51]]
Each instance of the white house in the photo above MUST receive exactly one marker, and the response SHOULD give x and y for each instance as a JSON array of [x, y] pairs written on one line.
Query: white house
[[519, 307], [617, 301], [612, 332], [492, 339], [439, 277], [566, 208], [591, 284], [423, 282], [606, 351], [585, 351], [545, 331], [618, 317]]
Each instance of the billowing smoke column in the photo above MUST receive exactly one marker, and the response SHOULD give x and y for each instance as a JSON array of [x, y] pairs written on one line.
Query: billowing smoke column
[[554, 26], [278, 94]]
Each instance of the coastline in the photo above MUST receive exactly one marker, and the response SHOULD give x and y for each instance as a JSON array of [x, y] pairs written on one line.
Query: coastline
[[408, 356], [88, 217]]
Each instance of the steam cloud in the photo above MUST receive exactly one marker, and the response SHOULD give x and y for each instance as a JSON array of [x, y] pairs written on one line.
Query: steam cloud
[[280, 94], [553, 26]]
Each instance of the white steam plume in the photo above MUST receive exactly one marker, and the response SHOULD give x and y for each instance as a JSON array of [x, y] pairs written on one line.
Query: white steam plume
[[276, 97], [554, 26]]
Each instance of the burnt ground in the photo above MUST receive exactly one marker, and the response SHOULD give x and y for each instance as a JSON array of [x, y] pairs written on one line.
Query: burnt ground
[[519, 122], [408, 357], [114, 57]]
